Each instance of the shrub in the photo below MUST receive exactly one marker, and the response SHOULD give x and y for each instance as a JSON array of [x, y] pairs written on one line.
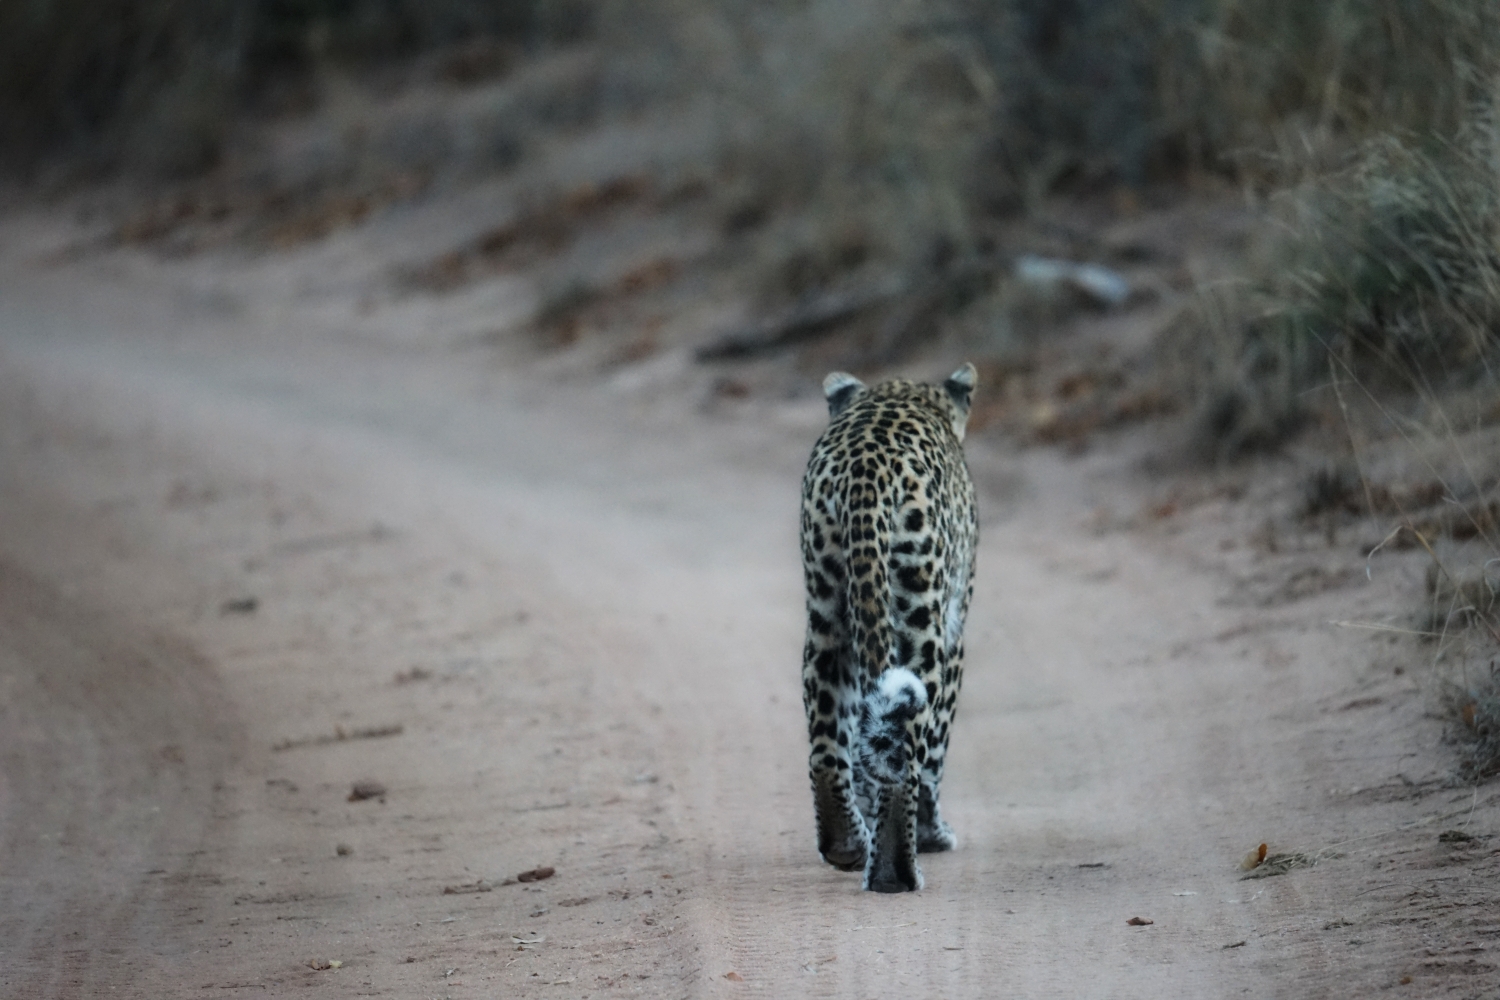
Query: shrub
[[155, 83]]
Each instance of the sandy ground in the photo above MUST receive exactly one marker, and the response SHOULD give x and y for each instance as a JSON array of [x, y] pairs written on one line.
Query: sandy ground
[[243, 531]]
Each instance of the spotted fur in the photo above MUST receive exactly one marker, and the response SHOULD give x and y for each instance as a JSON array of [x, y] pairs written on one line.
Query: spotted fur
[[888, 537]]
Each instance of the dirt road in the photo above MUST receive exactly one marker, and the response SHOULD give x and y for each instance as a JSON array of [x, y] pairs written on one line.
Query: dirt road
[[252, 552]]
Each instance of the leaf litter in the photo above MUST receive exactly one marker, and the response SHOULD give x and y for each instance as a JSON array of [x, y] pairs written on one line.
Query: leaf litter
[[1262, 864]]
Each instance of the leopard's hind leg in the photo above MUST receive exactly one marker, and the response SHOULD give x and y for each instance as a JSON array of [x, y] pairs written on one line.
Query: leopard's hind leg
[[933, 834], [843, 836]]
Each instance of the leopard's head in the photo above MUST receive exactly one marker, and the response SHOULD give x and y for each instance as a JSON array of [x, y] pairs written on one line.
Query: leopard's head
[[841, 390]]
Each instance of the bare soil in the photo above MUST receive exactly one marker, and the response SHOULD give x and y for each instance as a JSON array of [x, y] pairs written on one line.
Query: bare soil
[[266, 535]]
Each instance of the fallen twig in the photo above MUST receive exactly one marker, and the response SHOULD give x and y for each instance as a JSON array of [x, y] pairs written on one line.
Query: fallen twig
[[340, 735], [808, 319]]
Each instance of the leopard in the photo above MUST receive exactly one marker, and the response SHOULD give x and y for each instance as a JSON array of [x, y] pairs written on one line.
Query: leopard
[[889, 533]]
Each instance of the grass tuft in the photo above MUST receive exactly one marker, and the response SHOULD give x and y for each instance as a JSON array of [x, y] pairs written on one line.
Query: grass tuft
[[1475, 709]]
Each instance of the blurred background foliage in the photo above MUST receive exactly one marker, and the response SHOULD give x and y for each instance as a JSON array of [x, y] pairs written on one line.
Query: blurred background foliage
[[151, 84], [891, 134], [1048, 93]]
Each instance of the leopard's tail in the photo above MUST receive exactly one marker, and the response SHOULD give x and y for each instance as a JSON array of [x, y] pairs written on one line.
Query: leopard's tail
[[884, 747]]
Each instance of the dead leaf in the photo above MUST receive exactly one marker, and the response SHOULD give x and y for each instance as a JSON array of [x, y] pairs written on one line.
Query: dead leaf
[[734, 977], [1140, 921], [537, 874], [362, 790]]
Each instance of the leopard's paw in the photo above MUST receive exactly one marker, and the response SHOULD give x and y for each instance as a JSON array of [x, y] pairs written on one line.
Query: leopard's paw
[[936, 837], [848, 858], [893, 881]]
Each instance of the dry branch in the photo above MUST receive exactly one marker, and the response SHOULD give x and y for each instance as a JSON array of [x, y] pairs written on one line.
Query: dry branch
[[810, 318]]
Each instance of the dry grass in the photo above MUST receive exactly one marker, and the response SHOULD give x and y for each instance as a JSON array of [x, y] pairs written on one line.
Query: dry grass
[[1473, 707], [1463, 613], [845, 141], [882, 140], [1450, 512], [1384, 275], [859, 133]]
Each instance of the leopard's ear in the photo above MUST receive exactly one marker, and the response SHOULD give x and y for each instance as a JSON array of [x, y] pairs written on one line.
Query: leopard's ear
[[840, 388], [960, 389]]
